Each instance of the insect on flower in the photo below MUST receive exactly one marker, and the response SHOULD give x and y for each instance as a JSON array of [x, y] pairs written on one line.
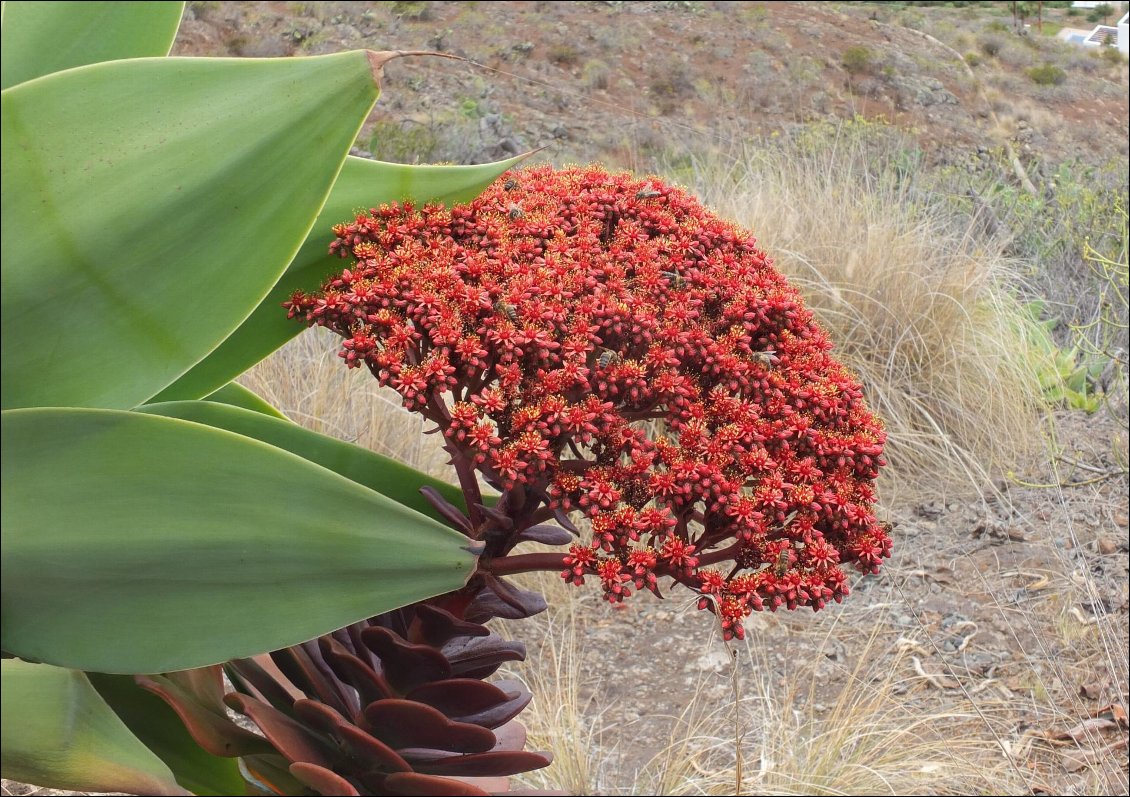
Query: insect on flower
[[510, 185], [767, 357], [676, 279], [507, 310], [515, 213], [647, 193], [781, 566], [607, 358]]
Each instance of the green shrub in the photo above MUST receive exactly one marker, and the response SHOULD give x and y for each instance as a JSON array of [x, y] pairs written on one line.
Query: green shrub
[[1113, 56], [563, 54], [417, 11], [399, 143], [1100, 13], [1067, 377], [1047, 75], [596, 74], [991, 46], [858, 59], [972, 59]]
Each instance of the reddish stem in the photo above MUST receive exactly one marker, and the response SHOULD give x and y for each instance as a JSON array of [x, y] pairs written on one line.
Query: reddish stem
[[524, 563], [721, 555]]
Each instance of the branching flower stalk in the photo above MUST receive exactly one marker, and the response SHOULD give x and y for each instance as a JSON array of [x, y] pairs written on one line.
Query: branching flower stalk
[[590, 342], [591, 346]]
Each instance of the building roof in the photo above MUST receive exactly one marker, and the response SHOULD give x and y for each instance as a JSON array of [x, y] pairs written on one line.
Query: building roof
[[1102, 34]]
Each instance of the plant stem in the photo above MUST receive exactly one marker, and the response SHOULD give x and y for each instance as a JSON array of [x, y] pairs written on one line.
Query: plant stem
[[524, 563]]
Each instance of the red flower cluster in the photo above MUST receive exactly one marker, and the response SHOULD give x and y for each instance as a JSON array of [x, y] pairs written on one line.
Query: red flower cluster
[[606, 343]]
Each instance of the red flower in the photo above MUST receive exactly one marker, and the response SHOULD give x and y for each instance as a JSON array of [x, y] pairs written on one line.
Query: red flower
[[552, 326]]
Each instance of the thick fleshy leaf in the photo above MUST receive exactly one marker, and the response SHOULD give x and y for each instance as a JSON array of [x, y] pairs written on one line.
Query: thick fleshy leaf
[[139, 543], [57, 731], [351, 669], [480, 657], [458, 697], [362, 184], [437, 626], [201, 713], [405, 665], [500, 762], [162, 731], [414, 783], [40, 38], [236, 395], [378, 754], [520, 697], [128, 259], [407, 723], [269, 775], [375, 471], [289, 737], [323, 780]]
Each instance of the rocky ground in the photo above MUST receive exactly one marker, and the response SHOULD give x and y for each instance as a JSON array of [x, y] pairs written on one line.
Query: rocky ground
[[624, 82]]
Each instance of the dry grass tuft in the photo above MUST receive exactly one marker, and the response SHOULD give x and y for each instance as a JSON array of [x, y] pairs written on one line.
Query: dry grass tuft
[[917, 306]]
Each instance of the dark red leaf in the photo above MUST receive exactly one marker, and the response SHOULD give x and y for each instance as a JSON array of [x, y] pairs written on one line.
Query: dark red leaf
[[503, 762], [451, 513], [546, 535], [406, 666], [205, 720], [480, 657], [500, 714], [369, 754], [460, 696], [300, 670], [505, 601], [405, 723], [412, 783], [369, 684], [318, 716], [323, 781], [288, 736], [437, 626], [256, 678]]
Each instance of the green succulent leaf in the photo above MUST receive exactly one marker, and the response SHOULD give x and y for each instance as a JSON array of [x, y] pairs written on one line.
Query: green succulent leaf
[[58, 732], [237, 395], [39, 38], [151, 720], [128, 258], [387, 476], [362, 184], [140, 543]]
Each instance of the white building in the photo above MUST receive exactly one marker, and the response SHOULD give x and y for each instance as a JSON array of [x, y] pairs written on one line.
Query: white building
[[1124, 35], [1099, 36]]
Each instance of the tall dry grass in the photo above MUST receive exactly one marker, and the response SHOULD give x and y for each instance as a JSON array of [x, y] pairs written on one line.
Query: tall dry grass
[[919, 305]]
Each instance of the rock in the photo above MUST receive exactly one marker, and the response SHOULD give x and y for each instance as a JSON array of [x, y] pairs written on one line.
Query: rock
[[1106, 546], [716, 660]]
